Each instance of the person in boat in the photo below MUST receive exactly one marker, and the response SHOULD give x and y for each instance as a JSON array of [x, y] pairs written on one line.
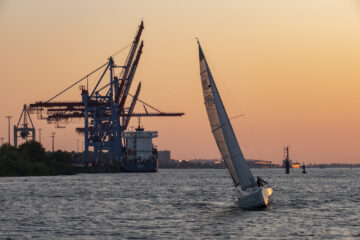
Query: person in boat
[[260, 182]]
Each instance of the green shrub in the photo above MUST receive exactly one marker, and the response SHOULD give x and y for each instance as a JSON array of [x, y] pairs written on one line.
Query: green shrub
[[33, 150], [30, 159]]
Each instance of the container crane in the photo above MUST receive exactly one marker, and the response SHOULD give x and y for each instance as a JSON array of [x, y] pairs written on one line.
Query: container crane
[[103, 108], [24, 128]]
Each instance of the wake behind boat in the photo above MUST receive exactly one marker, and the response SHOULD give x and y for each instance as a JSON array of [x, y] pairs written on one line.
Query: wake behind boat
[[251, 194]]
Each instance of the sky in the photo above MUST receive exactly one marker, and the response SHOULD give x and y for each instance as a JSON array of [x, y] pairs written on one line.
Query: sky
[[292, 67]]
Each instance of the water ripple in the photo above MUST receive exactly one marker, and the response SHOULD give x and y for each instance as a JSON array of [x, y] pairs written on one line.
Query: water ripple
[[179, 204]]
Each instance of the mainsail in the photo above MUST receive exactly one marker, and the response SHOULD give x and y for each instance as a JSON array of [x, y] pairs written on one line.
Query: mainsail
[[222, 130]]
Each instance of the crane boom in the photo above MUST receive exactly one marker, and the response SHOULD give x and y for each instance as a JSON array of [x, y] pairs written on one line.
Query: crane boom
[[131, 76], [128, 62], [132, 106]]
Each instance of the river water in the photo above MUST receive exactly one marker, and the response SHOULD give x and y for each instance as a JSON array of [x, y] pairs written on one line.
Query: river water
[[179, 204]]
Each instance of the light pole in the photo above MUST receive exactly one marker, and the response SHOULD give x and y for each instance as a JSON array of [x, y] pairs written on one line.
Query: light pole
[[78, 145], [39, 135], [53, 139], [9, 117]]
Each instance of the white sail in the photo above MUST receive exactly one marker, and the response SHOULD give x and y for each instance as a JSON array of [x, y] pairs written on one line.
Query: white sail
[[222, 130]]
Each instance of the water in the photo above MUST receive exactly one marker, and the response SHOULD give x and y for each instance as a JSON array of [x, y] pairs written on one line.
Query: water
[[179, 204]]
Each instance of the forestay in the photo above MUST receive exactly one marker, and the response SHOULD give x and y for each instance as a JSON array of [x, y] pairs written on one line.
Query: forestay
[[222, 129]]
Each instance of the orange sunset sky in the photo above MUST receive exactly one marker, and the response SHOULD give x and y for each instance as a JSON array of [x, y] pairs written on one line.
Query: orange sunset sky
[[291, 66]]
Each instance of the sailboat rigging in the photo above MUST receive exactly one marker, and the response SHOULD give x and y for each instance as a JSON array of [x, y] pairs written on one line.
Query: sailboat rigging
[[253, 195]]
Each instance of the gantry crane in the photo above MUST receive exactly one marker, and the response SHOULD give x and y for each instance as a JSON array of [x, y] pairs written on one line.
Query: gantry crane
[[24, 128], [103, 108]]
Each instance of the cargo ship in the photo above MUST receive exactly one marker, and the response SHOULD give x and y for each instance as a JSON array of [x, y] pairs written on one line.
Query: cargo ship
[[140, 154]]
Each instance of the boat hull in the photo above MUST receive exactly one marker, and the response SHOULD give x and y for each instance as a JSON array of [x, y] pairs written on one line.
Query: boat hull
[[258, 198]]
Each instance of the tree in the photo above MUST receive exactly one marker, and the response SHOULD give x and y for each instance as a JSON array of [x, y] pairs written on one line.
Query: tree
[[33, 150]]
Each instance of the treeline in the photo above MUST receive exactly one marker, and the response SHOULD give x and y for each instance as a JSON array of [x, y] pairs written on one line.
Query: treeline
[[30, 159]]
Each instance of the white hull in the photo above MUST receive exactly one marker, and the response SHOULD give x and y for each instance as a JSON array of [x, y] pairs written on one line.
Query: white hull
[[255, 198]]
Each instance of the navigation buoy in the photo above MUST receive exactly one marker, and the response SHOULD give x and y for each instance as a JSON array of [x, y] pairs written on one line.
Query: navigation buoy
[[287, 161], [303, 171]]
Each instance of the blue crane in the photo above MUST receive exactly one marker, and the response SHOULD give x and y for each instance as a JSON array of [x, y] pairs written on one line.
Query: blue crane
[[103, 108]]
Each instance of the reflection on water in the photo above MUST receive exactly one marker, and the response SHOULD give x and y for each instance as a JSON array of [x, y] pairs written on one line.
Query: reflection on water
[[187, 204]]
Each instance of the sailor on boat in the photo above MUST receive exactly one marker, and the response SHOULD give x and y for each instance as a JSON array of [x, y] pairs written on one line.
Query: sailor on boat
[[260, 182]]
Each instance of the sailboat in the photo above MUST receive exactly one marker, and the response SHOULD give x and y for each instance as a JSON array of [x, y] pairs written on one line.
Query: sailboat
[[251, 193]]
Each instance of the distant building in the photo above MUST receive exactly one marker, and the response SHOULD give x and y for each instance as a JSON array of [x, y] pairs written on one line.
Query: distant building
[[296, 165], [260, 164], [164, 159]]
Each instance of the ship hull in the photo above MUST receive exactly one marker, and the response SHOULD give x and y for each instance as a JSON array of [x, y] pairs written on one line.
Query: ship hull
[[149, 166]]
